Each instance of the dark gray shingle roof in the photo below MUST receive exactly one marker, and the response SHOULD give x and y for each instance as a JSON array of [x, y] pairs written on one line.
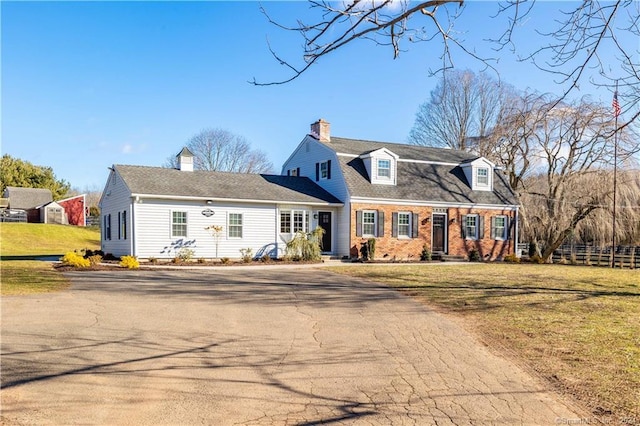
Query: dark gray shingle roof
[[27, 198], [418, 181], [222, 185], [404, 151]]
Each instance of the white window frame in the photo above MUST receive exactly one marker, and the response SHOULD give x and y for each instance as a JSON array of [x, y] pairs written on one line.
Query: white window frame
[[482, 181], [468, 235], [324, 170], [302, 224], [502, 237], [374, 214], [286, 213], [387, 162], [401, 225], [174, 224], [234, 226]]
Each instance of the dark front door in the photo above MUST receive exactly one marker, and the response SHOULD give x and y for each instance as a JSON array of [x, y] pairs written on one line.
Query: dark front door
[[324, 221], [438, 229]]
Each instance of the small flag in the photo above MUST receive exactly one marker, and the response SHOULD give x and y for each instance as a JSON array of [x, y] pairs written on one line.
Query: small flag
[[615, 104]]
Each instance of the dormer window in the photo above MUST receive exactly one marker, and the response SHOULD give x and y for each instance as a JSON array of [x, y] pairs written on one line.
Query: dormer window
[[382, 166], [482, 176], [384, 169], [479, 173]]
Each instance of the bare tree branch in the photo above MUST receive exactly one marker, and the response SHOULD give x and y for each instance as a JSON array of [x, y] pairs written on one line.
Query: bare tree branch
[[221, 150], [584, 39]]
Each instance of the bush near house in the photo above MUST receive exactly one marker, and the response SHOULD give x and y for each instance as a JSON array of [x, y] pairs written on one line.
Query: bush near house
[[129, 262], [76, 260]]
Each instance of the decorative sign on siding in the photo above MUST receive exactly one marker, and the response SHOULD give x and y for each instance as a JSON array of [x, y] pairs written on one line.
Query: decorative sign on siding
[[208, 212]]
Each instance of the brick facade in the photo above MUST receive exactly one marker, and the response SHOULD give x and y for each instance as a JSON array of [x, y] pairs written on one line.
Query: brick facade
[[403, 248]]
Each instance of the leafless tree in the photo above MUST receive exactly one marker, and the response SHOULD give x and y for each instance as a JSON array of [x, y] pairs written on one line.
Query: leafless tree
[[221, 150], [558, 158], [585, 36], [462, 110]]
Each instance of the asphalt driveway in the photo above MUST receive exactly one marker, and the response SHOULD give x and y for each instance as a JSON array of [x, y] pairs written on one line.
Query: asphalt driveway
[[251, 346]]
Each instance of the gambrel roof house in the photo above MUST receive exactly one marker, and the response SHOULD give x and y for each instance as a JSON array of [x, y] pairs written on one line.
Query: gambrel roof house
[[404, 196], [408, 196]]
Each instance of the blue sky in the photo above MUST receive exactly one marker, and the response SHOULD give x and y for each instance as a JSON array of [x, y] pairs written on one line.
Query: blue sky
[[88, 85]]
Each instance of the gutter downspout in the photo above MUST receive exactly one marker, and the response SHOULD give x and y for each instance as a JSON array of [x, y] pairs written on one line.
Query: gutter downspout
[[134, 246]]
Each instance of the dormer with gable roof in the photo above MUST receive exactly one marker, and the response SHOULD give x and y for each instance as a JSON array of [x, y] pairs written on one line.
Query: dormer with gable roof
[[479, 173], [382, 166]]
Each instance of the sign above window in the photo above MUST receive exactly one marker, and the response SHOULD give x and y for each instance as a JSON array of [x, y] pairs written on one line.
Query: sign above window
[[208, 212]]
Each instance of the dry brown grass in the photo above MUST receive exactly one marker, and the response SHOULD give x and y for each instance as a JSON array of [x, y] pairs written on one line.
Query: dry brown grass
[[578, 327], [29, 276]]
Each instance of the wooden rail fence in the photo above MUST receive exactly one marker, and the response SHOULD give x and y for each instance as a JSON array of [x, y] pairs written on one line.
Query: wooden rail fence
[[624, 256]]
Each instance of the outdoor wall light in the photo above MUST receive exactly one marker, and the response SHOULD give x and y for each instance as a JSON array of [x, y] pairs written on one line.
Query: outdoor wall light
[[209, 202], [453, 220], [315, 215]]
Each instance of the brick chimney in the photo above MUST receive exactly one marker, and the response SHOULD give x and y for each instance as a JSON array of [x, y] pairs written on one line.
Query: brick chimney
[[321, 130]]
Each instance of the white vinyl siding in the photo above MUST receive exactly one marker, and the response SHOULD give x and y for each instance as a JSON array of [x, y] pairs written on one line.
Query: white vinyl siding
[[307, 154], [258, 229], [115, 202], [381, 167]]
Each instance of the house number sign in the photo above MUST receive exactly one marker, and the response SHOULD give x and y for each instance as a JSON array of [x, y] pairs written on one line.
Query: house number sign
[[208, 212]]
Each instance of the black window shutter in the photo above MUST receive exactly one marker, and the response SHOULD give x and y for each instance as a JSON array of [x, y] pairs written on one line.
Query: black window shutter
[[394, 224], [480, 227], [119, 226], [297, 171], [510, 228], [380, 223], [288, 172], [328, 169], [358, 223], [109, 226], [317, 172], [414, 225], [463, 225]]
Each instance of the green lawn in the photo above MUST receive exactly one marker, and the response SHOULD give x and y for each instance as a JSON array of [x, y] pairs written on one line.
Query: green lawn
[[25, 240], [37, 239], [578, 327]]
